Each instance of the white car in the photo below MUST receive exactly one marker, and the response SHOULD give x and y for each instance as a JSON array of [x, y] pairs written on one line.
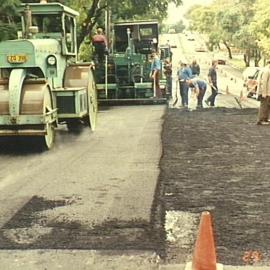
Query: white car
[[249, 72], [200, 48], [253, 82], [191, 38]]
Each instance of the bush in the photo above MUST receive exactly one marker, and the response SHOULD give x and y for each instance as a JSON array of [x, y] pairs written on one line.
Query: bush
[[86, 51], [8, 31]]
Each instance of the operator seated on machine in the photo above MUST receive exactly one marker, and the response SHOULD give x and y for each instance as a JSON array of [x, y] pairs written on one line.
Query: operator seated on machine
[[99, 42]]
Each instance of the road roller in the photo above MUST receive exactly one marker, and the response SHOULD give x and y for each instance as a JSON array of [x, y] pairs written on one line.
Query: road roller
[[124, 76], [42, 84]]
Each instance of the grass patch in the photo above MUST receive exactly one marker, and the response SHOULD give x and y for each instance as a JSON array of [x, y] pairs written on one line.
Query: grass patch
[[237, 63]]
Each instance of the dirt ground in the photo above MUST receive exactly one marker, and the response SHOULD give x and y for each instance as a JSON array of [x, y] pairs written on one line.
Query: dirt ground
[[218, 160]]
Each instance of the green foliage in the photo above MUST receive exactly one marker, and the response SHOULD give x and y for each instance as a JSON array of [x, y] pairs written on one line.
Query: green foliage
[[8, 31], [260, 26], [8, 9], [146, 9], [92, 11], [179, 26], [246, 25], [213, 41], [201, 19], [86, 51], [230, 20]]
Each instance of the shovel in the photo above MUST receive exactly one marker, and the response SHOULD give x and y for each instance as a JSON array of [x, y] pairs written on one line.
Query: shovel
[[176, 97], [154, 87]]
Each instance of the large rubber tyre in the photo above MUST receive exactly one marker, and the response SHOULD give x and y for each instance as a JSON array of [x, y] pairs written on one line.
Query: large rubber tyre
[[74, 126], [49, 138], [92, 101]]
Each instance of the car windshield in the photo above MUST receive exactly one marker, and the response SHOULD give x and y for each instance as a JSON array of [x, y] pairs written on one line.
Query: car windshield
[[47, 23], [250, 71]]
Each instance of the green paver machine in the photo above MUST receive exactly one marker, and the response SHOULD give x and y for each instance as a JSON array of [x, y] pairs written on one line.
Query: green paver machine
[[41, 82], [125, 75]]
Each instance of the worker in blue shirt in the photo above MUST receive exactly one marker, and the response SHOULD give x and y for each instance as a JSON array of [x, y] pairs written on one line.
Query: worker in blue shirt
[[155, 72], [184, 74], [200, 87]]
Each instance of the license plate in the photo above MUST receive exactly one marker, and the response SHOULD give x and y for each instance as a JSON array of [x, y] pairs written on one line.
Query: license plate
[[16, 59]]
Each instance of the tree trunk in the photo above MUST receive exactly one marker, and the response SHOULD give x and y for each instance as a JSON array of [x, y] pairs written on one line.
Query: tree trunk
[[257, 57], [93, 13], [247, 57], [228, 48]]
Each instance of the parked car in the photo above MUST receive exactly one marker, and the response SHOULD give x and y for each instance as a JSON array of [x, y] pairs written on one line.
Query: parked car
[[171, 31], [200, 48], [221, 62], [252, 83], [191, 37]]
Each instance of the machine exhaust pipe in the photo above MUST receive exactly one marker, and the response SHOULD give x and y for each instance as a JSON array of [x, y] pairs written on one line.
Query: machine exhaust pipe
[[28, 20]]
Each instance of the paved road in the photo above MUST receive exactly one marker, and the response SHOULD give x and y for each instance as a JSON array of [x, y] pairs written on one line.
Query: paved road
[[229, 80], [92, 191]]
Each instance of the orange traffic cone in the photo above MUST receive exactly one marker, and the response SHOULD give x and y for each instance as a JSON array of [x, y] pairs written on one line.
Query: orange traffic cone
[[204, 256], [241, 95]]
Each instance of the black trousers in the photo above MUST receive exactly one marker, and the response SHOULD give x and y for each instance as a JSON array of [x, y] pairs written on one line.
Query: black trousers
[[200, 97], [100, 51], [212, 97]]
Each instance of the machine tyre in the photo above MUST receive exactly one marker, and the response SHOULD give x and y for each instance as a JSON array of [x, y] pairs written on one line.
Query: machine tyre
[[92, 101], [49, 138], [74, 126]]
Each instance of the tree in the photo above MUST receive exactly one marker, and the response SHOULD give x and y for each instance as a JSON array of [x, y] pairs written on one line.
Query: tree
[[245, 38], [203, 20], [229, 21], [179, 26], [8, 27], [231, 26], [91, 11], [260, 26]]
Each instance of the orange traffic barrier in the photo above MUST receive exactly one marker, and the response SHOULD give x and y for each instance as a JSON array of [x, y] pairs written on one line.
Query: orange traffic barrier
[[204, 256]]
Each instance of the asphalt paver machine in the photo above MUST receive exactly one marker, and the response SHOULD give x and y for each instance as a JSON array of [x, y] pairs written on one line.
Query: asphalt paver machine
[[41, 82], [125, 74]]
